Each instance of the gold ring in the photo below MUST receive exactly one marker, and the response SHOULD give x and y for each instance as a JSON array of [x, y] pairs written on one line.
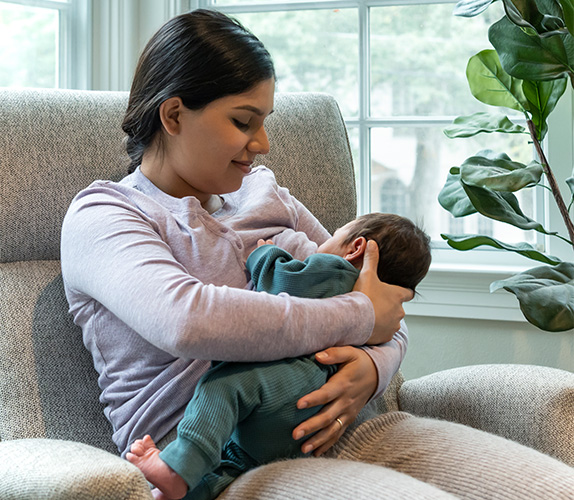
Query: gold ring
[[338, 420]]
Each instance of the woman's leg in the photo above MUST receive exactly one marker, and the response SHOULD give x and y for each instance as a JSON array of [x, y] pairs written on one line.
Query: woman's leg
[[465, 462], [322, 478]]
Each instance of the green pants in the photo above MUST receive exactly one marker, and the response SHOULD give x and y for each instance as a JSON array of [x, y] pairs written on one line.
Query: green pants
[[241, 416]]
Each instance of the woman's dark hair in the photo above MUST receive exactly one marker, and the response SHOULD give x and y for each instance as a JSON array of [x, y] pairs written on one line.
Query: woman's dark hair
[[200, 57], [404, 248]]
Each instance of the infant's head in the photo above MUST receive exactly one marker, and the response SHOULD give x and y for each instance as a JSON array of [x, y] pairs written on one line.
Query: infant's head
[[404, 248]]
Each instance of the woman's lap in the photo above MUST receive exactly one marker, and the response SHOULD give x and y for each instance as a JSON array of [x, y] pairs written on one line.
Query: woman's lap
[[328, 479], [465, 462], [399, 456]]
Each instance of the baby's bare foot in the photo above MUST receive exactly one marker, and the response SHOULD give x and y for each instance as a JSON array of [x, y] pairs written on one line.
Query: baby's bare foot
[[144, 454]]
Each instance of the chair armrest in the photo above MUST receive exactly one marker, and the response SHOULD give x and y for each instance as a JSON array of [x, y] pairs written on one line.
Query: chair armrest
[[533, 405], [42, 469]]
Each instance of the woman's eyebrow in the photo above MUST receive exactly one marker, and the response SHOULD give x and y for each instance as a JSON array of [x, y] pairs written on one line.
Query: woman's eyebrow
[[253, 109]]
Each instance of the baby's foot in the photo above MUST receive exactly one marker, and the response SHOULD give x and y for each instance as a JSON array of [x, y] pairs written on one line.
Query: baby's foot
[[144, 454]]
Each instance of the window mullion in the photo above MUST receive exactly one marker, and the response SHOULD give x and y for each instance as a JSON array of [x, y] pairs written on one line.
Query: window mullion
[[364, 187]]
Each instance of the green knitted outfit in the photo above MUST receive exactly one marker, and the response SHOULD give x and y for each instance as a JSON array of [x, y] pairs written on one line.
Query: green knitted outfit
[[242, 414]]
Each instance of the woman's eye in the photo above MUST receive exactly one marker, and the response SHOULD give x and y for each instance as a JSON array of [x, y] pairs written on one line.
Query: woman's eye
[[240, 125]]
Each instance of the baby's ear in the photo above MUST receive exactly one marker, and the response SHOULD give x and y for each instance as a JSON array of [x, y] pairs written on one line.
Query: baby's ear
[[356, 249]]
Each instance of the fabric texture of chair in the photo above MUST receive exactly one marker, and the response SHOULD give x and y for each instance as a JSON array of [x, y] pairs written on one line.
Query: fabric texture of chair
[[55, 441]]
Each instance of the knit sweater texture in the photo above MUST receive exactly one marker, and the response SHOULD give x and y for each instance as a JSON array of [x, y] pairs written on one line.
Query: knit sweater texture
[[159, 287]]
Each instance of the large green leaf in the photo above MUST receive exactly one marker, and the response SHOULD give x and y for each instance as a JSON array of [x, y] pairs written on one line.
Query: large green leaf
[[470, 125], [501, 206], [490, 84], [471, 8], [568, 10], [526, 15], [498, 172], [546, 295], [531, 57], [471, 241], [453, 196], [543, 97]]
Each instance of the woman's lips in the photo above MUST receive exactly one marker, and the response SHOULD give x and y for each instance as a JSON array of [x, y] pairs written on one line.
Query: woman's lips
[[244, 166]]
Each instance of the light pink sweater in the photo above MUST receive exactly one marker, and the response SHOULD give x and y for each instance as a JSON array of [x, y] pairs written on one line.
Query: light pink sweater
[[159, 288]]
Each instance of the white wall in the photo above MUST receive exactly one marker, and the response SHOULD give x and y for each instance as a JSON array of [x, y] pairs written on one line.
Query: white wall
[[442, 343]]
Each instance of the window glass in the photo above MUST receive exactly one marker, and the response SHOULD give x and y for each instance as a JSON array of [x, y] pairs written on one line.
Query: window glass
[[28, 46], [313, 50], [256, 2], [419, 57], [409, 166], [417, 83]]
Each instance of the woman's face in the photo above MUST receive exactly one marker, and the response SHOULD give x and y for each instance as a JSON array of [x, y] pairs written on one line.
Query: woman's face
[[211, 150]]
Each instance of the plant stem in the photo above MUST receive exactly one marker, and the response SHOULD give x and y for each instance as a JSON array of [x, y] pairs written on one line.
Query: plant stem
[[552, 181]]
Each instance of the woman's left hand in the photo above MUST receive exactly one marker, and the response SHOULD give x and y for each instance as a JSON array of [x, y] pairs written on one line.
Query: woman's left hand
[[344, 396]]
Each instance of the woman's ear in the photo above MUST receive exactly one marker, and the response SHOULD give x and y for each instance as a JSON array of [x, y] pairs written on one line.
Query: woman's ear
[[355, 250], [169, 114]]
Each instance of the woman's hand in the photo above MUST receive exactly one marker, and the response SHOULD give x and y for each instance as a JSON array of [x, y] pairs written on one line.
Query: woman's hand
[[387, 299], [344, 395]]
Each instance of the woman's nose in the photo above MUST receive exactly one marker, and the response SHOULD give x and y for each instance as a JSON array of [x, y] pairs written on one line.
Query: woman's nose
[[259, 143]]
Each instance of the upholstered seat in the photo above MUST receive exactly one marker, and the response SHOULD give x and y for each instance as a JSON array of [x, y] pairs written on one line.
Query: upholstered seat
[[56, 442]]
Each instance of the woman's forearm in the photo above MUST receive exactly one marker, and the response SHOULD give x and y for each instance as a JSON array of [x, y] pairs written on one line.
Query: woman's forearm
[[388, 358], [134, 274]]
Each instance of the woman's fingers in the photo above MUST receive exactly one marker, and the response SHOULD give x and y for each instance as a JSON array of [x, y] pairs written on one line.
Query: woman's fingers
[[332, 389], [325, 442], [387, 299], [343, 397], [325, 425], [325, 438]]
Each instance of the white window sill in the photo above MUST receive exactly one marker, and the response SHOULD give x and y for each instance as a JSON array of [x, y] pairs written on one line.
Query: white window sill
[[462, 289]]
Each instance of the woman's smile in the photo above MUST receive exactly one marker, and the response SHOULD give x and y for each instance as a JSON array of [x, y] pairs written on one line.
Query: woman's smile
[[244, 166]]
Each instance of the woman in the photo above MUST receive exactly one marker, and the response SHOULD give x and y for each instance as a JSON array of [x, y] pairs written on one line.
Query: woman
[[154, 265]]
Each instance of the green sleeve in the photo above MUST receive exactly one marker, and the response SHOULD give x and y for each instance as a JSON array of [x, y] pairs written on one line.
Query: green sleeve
[[274, 271]]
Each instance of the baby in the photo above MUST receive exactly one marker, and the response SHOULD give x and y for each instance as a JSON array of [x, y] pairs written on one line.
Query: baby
[[242, 414]]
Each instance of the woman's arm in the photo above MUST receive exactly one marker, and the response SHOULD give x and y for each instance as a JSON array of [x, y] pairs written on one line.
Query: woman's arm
[[388, 358], [113, 254]]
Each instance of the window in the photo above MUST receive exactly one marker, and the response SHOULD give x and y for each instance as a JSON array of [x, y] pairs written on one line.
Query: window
[[397, 69], [44, 43]]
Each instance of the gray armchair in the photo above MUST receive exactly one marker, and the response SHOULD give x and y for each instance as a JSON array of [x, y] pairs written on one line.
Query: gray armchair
[[54, 440]]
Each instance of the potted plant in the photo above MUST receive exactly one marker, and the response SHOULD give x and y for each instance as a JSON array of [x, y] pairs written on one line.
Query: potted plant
[[527, 71]]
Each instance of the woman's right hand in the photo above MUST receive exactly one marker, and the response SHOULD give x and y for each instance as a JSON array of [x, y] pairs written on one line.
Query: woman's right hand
[[387, 299]]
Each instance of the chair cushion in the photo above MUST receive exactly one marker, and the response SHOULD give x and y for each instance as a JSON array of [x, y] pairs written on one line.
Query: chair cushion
[[528, 404], [310, 155], [43, 469], [48, 386], [53, 144]]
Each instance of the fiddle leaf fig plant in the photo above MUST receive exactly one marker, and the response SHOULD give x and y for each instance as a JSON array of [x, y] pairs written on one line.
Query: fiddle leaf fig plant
[[528, 71]]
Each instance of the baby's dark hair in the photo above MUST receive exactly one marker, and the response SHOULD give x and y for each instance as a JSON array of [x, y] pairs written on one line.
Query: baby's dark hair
[[404, 248]]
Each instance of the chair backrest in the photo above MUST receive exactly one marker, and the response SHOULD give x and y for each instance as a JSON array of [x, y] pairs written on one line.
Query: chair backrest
[[53, 143]]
